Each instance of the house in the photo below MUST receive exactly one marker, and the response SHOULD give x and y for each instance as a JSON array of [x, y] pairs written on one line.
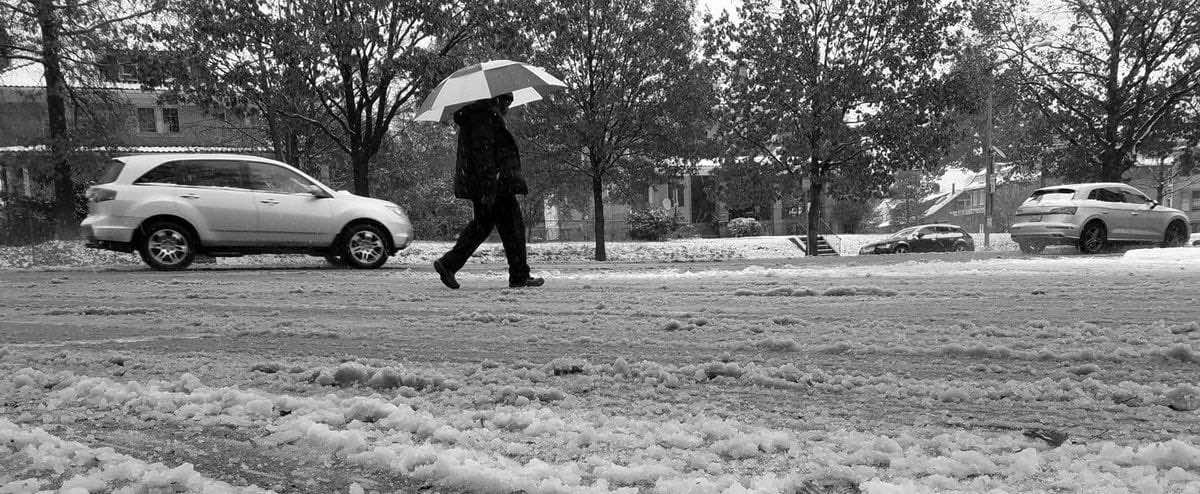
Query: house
[[1165, 180], [115, 115], [690, 197], [693, 200], [1185, 196], [964, 206]]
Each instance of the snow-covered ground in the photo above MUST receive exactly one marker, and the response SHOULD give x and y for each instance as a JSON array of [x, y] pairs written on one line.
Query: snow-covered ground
[[74, 254], [922, 374]]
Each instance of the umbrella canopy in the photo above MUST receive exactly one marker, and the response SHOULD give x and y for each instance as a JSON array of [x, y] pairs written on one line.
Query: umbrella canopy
[[485, 80]]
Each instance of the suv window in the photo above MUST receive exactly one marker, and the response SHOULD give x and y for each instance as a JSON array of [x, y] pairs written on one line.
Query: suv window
[[112, 170], [1134, 197], [1052, 195], [166, 173], [202, 173], [1106, 195], [272, 178], [925, 231], [215, 173]]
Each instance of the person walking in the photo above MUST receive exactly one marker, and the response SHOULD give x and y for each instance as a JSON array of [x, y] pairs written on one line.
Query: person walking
[[488, 173]]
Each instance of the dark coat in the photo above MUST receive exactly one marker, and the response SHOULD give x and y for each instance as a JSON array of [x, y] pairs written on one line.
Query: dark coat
[[488, 162]]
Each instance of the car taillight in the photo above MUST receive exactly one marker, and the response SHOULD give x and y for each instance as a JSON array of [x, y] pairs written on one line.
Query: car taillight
[[100, 194], [1063, 210]]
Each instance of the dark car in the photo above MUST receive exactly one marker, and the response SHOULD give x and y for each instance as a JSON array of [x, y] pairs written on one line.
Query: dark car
[[923, 238]]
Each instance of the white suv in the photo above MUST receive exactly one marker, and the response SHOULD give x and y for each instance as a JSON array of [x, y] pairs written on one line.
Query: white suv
[[1094, 216], [171, 207]]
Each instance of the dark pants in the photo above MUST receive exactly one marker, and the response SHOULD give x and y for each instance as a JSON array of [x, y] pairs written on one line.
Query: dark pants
[[505, 216]]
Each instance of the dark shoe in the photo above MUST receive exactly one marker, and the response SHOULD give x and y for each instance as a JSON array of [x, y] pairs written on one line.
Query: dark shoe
[[527, 282], [445, 274]]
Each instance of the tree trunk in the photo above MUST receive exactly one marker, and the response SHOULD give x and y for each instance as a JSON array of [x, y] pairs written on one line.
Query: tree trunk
[[1163, 178], [293, 147], [598, 217], [359, 166], [814, 209], [66, 222], [1112, 165]]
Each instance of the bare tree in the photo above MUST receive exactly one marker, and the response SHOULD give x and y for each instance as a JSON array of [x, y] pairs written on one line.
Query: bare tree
[[798, 78], [1108, 81], [636, 98], [369, 59], [63, 37]]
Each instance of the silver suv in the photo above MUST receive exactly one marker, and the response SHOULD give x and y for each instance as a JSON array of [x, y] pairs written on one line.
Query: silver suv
[[1094, 216], [171, 207]]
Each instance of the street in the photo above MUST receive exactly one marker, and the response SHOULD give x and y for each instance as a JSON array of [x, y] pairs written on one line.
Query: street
[[822, 366]]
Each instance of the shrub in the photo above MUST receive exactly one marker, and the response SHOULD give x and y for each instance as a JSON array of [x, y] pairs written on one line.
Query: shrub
[[744, 227], [649, 223], [25, 221], [686, 231]]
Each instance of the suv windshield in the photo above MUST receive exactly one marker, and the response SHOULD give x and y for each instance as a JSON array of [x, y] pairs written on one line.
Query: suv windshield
[[1051, 195]]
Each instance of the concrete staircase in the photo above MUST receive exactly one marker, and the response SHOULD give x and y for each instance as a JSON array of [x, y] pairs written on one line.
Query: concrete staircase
[[823, 247]]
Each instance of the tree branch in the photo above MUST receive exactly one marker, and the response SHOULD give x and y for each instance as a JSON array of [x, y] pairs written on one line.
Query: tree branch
[[107, 22]]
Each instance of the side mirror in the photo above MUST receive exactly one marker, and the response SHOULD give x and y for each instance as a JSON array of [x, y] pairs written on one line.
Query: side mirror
[[318, 192], [919, 235], [1154, 204]]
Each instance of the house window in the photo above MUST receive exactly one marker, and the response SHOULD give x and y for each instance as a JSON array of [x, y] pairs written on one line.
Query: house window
[[1196, 200], [147, 120], [127, 72], [158, 120], [170, 118]]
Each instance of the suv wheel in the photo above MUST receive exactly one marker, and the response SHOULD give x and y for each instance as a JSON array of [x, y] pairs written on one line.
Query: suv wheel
[[363, 246], [1176, 235], [1094, 238], [167, 246], [900, 249]]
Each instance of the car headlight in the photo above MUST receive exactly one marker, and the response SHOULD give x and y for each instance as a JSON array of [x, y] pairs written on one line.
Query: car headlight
[[399, 211]]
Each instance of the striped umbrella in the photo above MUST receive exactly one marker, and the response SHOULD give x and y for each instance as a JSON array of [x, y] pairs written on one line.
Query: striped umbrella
[[485, 80]]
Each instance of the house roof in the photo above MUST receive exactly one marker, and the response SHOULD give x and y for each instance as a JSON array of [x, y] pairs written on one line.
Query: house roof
[[32, 75], [145, 149], [1004, 174]]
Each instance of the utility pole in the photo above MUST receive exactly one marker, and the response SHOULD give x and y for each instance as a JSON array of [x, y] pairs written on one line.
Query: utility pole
[[988, 159], [989, 81]]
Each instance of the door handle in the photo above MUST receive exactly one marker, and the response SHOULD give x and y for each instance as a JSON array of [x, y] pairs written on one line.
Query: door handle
[[269, 201], [190, 196], [1133, 214]]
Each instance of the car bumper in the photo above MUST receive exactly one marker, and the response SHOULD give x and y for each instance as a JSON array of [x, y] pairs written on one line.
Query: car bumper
[[88, 234], [107, 232], [1045, 232], [402, 234]]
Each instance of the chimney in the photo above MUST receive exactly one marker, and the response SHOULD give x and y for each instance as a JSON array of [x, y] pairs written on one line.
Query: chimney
[[953, 187]]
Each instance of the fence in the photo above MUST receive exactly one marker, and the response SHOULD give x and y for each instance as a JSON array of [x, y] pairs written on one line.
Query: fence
[[578, 231], [24, 221]]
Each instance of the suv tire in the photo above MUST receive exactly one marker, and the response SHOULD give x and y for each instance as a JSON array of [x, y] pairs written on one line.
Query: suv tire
[[1094, 238], [1176, 234], [362, 246], [167, 245]]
